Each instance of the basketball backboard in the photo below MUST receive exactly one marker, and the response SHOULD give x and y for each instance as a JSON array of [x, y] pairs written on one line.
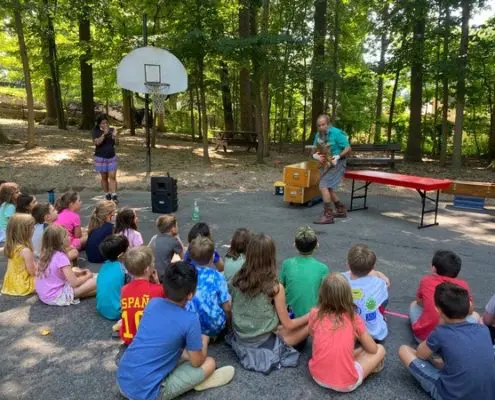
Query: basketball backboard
[[151, 65]]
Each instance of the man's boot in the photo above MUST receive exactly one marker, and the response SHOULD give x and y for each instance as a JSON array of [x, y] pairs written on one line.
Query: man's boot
[[327, 216], [340, 210]]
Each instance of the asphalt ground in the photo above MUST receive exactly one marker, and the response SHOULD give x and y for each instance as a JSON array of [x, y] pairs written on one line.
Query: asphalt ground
[[76, 359]]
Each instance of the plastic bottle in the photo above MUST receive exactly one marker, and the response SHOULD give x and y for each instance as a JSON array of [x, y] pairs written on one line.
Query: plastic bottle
[[292, 315], [195, 213]]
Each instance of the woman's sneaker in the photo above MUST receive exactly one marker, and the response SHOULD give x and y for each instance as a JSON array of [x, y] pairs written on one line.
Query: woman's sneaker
[[115, 199], [108, 196]]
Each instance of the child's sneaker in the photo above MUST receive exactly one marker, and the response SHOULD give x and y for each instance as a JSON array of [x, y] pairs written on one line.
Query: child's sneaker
[[220, 377]]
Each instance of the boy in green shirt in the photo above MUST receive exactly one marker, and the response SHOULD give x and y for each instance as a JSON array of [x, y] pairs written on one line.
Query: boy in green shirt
[[302, 275]]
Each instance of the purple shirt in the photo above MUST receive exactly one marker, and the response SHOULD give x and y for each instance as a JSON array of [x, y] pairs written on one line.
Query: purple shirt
[[51, 284], [134, 237]]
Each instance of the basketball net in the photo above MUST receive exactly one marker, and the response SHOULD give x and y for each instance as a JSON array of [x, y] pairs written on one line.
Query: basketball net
[[159, 93]]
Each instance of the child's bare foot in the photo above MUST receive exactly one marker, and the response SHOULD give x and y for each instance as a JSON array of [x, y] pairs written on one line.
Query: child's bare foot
[[379, 367]]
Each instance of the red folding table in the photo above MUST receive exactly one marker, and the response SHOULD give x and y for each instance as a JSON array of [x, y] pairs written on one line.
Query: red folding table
[[421, 184]]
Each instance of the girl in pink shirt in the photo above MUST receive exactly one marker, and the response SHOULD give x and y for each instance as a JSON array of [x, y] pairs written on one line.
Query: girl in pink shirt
[[57, 284], [334, 326], [68, 207], [126, 224]]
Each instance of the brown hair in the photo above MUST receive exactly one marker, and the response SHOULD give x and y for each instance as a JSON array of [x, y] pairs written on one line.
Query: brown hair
[[258, 275], [201, 250], [103, 209], [126, 219], [19, 232], [164, 223], [361, 260], [7, 192], [239, 243], [40, 211], [54, 238], [335, 299], [24, 203], [137, 259], [66, 199]]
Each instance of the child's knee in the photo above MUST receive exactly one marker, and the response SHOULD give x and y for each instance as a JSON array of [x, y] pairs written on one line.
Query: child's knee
[[381, 350], [209, 366]]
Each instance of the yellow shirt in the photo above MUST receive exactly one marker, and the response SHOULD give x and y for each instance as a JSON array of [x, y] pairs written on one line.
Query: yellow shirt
[[17, 281]]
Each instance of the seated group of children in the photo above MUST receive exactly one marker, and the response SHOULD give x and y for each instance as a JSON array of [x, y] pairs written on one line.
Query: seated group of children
[[169, 312]]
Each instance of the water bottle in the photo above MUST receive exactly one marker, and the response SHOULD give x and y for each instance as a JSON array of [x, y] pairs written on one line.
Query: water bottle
[[195, 213]]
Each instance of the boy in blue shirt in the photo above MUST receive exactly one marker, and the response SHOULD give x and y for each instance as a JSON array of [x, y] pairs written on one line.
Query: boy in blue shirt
[[111, 277], [212, 299], [466, 369], [151, 367]]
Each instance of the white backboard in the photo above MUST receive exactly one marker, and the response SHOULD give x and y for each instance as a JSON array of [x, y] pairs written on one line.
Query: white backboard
[[153, 65]]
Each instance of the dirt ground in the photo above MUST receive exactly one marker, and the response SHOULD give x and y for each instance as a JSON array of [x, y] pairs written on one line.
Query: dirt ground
[[64, 159]]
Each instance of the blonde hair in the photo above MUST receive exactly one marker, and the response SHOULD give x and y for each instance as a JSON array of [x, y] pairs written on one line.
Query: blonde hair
[[164, 223], [103, 209], [335, 299], [54, 238], [137, 259], [201, 250], [7, 192], [259, 272], [20, 231]]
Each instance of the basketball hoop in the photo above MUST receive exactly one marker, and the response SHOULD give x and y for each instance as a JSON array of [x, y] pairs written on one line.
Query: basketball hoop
[[159, 93]]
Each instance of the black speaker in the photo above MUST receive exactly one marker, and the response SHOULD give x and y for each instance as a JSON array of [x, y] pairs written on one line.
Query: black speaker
[[164, 194]]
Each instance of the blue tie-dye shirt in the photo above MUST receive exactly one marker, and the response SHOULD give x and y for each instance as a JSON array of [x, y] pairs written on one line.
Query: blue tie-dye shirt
[[211, 292]]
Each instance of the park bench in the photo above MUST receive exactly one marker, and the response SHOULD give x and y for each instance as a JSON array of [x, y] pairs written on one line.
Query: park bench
[[421, 184], [389, 150], [236, 138]]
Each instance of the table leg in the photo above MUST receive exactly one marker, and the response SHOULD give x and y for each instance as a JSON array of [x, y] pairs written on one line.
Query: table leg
[[424, 198], [355, 197]]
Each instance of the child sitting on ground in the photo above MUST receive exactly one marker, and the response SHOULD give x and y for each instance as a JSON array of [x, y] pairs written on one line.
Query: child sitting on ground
[[111, 277], [44, 214], [335, 326], [68, 207], [152, 366], [466, 369], [423, 314], [302, 275], [9, 192], [100, 226], [369, 289], [258, 308], [212, 299], [489, 317], [57, 284], [202, 229], [137, 293], [166, 243], [25, 203], [236, 256], [126, 224], [21, 266]]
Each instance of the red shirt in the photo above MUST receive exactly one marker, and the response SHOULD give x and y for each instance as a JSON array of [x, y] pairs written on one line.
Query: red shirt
[[332, 361], [134, 298], [426, 292]]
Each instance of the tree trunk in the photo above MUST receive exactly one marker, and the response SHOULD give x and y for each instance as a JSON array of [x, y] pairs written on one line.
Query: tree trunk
[[51, 113], [392, 104], [491, 143], [31, 137], [160, 126], [379, 91], [202, 105], [461, 85], [87, 95], [437, 90], [413, 150], [335, 60], [54, 71], [445, 88], [265, 101], [244, 73], [191, 109], [305, 106], [200, 113], [318, 90], [228, 116], [153, 130]]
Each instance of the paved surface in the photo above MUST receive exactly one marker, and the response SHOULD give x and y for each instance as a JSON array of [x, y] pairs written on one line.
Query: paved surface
[[75, 361]]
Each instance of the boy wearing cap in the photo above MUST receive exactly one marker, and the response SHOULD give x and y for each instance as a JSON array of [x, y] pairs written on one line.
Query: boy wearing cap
[[302, 275]]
